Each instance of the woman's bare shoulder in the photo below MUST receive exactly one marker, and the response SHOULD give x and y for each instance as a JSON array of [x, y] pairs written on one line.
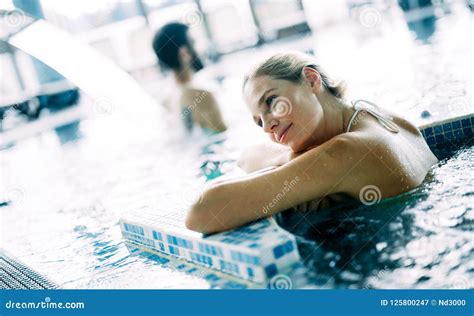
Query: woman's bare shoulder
[[190, 94]]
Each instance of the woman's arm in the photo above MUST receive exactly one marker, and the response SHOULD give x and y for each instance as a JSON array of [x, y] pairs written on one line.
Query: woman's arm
[[345, 164], [206, 111], [264, 155]]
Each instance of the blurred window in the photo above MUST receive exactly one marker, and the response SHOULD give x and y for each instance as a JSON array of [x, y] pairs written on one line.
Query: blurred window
[[83, 16], [231, 24], [278, 19]]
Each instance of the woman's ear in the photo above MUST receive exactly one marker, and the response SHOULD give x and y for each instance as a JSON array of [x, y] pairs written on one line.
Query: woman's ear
[[313, 78], [184, 56]]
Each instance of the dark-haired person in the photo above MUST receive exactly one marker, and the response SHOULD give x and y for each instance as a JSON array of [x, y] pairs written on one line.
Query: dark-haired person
[[324, 150], [174, 49]]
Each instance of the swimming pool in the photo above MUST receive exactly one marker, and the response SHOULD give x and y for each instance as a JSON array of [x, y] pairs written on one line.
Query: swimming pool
[[66, 200]]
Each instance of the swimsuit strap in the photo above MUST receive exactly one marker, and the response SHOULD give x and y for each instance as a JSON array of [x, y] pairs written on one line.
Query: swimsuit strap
[[373, 110]]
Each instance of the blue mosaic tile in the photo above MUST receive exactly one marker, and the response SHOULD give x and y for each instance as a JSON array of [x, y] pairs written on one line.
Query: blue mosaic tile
[[449, 135], [157, 235], [228, 266], [289, 247], [250, 272], [211, 277], [173, 250], [466, 123], [431, 141], [157, 258], [452, 131], [235, 252], [456, 124], [134, 229], [271, 270], [438, 130], [211, 250], [277, 252], [439, 138], [235, 285], [447, 127], [458, 133]]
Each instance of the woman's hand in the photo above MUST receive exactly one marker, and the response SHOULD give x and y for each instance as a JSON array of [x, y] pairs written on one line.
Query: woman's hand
[[314, 205]]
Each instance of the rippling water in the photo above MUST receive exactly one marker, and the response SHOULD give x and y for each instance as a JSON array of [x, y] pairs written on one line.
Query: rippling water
[[422, 238], [66, 200]]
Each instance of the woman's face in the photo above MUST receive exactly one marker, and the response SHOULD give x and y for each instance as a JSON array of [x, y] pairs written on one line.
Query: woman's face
[[289, 112]]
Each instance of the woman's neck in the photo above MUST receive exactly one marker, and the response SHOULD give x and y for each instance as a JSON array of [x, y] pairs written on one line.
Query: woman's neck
[[183, 77], [337, 113]]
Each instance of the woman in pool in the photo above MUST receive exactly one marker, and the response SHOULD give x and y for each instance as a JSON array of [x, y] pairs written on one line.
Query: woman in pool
[[326, 151]]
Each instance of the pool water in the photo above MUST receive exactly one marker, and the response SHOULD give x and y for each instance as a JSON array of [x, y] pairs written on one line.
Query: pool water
[[63, 200], [420, 239]]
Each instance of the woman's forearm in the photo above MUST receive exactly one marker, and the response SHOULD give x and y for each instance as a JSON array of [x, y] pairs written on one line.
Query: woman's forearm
[[258, 158], [205, 215]]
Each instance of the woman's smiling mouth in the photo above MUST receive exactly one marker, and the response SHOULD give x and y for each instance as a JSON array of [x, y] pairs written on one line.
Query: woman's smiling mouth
[[282, 137]]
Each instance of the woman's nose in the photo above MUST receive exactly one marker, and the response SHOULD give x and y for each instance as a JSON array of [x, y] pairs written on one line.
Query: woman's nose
[[269, 124]]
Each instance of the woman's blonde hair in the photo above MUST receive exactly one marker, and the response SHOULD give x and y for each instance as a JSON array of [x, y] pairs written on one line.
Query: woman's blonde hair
[[289, 66]]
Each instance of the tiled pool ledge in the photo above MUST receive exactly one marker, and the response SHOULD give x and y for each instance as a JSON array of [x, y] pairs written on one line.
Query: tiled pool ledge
[[450, 131], [215, 278], [258, 251], [255, 252], [16, 275]]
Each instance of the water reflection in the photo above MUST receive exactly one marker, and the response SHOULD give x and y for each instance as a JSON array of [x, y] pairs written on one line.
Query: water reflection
[[347, 245], [69, 132], [423, 28], [408, 236]]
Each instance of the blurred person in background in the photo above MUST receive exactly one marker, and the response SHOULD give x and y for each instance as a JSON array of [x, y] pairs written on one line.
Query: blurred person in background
[[175, 51]]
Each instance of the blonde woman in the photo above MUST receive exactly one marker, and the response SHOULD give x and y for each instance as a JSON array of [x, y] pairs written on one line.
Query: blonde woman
[[324, 149]]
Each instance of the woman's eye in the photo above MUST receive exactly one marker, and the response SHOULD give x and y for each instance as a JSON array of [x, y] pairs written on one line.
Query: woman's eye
[[270, 100]]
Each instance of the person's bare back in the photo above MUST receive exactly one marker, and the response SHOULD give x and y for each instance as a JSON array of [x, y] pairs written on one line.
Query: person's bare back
[[202, 107], [195, 106]]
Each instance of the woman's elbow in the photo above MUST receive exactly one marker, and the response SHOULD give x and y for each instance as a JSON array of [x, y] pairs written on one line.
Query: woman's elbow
[[208, 215], [194, 220], [221, 127], [200, 220]]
